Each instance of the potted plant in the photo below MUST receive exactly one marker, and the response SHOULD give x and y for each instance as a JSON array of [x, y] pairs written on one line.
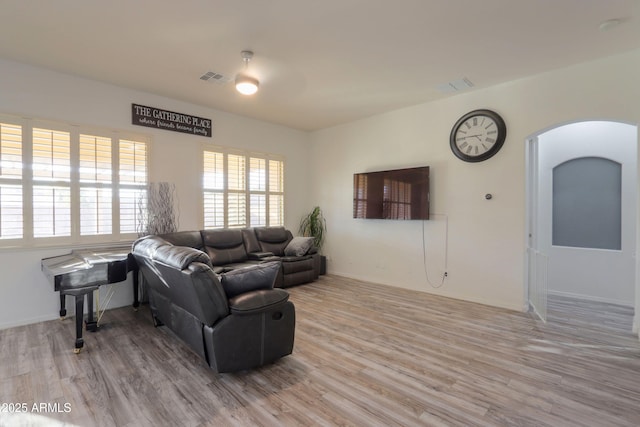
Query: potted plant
[[314, 225]]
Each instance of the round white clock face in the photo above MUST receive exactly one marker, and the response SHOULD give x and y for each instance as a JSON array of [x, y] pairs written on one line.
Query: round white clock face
[[478, 135]]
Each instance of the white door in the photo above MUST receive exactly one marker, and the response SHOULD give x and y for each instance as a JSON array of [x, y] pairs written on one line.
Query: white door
[[536, 261]]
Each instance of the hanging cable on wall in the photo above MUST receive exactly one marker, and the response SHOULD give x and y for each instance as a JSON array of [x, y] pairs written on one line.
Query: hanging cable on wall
[[446, 252]]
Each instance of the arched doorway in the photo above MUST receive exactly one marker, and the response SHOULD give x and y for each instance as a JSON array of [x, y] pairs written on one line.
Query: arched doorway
[[571, 183]]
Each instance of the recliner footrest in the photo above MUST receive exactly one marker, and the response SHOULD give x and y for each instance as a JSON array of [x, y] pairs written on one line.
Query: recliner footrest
[[292, 265]]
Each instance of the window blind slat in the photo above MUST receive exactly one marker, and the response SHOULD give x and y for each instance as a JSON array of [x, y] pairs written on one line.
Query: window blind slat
[[133, 205], [96, 168], [133, 172], [257, 174], [276, 183], [10, 151], [213, 210], [11, 216], [236, 210], [236, 172], [213, 178], [51, 211], [95, 159], [276, 210], [133, 162], [51, 155], [258, 208], [95, 211]]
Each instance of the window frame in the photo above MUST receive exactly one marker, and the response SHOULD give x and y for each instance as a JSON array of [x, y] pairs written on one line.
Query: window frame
[[267, 193], [28, 183]]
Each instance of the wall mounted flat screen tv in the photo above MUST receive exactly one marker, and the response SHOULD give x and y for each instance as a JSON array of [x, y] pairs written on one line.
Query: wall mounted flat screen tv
[[392, 194]]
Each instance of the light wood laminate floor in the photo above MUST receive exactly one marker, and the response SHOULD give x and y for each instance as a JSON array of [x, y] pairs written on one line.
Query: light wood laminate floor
[[365, 355]]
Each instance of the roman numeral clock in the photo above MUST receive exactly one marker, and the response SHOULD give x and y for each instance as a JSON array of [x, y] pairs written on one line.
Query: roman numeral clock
[[478, 135]]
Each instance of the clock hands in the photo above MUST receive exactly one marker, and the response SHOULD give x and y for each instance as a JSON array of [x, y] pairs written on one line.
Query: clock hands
[[472, 136]]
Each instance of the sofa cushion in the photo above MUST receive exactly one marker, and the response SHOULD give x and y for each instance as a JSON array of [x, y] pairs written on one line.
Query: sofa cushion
[[260, 276], [251, 243], [273, 239], [224, 246], [184, 238], [272, 234], [298, 246]]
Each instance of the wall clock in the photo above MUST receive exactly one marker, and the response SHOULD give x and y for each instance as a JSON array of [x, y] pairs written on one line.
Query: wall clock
[[478, 135]]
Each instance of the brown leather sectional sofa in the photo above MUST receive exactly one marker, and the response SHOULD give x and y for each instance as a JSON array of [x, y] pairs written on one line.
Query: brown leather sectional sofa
[[233, 248], [216, 290]]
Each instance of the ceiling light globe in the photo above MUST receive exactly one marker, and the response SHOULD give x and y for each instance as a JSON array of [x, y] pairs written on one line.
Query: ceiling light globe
[[246, 85]]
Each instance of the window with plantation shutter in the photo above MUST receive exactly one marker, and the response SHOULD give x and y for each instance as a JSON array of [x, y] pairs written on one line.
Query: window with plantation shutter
[[214, 190], [60, 184], [133, 184], [276, 192], [258, 191], [51, 162], [242, 190], [95, 185], [11, 213], [236, 191]]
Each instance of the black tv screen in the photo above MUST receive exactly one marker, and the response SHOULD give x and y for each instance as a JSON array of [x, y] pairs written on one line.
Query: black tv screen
[[392, 194]]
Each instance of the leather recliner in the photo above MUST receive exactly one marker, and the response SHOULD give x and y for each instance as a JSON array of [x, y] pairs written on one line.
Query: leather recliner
[[235, 321], [295, 269]]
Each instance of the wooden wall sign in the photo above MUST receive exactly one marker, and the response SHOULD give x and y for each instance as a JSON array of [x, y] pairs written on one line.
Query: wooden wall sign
[[168, 120]]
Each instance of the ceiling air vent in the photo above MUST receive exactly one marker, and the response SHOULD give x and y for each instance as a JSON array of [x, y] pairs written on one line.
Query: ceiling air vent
[[455, 85], [213, 77]]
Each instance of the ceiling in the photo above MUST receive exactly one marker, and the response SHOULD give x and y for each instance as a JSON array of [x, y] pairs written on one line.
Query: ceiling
[[320, 63]]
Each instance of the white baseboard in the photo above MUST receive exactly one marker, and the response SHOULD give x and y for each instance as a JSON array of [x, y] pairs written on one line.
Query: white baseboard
[[468, 298], [24, 322], [592, 298], [71, 312]]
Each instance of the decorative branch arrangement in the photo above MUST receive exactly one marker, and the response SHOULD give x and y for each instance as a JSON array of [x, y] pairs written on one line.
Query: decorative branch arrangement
[[156, 211]]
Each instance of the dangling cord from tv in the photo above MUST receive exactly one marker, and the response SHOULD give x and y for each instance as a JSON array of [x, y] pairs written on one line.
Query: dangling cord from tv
[[446, 252]]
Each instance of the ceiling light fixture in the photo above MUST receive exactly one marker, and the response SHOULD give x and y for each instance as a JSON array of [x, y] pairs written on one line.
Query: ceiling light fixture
[[244, 84]]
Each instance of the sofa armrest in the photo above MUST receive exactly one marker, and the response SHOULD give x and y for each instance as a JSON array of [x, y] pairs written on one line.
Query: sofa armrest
[[257, 301]]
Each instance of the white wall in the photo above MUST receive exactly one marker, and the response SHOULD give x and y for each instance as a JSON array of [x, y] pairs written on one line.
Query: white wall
[[600, 275], [486, 244], [25, 295]]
